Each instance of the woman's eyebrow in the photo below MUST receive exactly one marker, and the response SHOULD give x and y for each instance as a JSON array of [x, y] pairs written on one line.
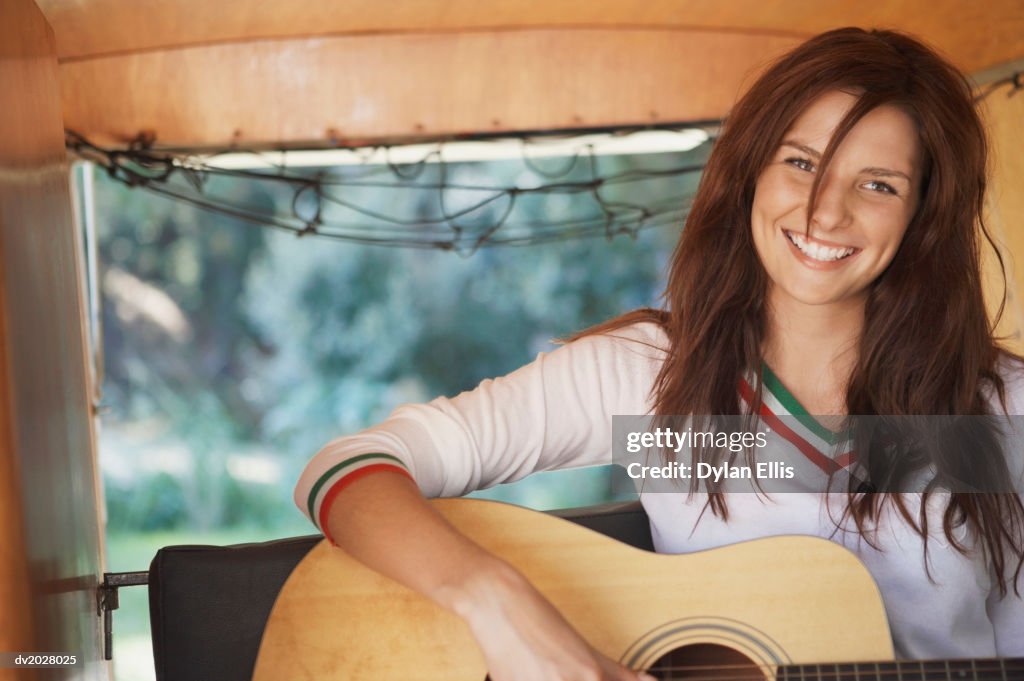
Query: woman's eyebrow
[[802, 147], [877, 172], [885, 172]]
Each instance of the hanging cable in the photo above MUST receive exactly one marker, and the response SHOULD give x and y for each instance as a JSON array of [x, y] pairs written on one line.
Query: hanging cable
[[431, 201]]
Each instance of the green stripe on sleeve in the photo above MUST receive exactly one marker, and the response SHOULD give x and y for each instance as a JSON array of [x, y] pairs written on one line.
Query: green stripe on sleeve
[[337, 467]]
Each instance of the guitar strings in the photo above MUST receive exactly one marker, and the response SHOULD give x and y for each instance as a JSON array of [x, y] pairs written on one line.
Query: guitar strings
[[907, 669], [904, 666], [1008, 669], [684, 674], [978, 673], [995, 675]]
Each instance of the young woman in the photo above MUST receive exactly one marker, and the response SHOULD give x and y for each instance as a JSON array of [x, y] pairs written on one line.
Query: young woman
[[830, 265]]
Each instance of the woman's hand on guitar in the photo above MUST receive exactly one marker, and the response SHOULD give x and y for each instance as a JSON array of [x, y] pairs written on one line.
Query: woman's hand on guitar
[[383, 521], [524, 638]]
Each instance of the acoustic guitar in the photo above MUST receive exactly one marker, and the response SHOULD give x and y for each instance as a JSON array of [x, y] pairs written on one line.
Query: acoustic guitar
[[788, 608]]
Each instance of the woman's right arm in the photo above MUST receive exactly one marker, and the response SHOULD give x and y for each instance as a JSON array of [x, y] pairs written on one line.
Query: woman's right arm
[[553, 413], [383, 521]]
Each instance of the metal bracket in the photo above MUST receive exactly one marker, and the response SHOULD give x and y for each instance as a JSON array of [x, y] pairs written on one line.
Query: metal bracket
[[107, 602]]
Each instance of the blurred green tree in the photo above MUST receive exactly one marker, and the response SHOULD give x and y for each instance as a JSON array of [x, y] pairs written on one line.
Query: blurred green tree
[[226, 337]]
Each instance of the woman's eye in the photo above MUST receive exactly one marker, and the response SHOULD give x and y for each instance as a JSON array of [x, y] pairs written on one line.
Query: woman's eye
[[801, 163], [882, 187]]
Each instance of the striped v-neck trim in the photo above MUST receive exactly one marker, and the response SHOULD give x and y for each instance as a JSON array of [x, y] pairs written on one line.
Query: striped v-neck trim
[[828, 450], [793, 407]]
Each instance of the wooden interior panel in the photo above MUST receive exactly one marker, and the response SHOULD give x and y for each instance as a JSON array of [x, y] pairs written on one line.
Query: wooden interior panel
[[1005, 203], [975, 34], [50, 562], [366, 87]]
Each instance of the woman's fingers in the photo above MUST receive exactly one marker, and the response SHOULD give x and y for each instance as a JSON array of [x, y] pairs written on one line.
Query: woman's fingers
[[524, 638]]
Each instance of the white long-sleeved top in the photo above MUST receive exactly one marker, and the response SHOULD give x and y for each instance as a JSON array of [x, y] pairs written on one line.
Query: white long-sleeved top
[[556, 413]]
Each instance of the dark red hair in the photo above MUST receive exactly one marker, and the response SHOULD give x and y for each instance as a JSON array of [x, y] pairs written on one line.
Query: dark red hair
[[927, 345]]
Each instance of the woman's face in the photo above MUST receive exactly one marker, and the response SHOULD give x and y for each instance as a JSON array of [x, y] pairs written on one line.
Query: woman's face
[[865, 202]]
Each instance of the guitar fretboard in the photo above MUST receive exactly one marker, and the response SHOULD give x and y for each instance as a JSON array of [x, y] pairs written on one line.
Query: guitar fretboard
[[981, 669]]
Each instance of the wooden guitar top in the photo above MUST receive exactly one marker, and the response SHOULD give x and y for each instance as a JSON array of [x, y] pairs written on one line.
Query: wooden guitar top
[[783, 600]]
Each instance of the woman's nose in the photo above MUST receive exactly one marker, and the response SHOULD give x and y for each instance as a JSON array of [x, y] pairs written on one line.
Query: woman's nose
[[831, 209]]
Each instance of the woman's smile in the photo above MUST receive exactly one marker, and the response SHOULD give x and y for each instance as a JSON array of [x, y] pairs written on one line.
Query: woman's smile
[[817, 253]]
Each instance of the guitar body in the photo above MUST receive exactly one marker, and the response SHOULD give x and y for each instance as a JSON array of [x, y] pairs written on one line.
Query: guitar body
[[778, 601]]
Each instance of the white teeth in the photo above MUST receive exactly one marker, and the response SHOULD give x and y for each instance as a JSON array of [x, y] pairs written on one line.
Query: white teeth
[[816, 250]]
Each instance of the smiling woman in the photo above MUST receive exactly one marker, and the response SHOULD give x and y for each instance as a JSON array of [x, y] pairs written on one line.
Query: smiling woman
[[829, 266], [831, 257]]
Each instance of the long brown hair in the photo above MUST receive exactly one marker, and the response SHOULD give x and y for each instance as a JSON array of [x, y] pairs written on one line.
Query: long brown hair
[[920, 353]]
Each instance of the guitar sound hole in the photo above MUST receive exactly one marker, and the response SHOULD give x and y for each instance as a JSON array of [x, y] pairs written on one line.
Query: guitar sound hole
[[706, 661]]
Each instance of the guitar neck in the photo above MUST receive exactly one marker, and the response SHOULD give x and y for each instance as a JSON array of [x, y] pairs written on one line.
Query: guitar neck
[[977, 669]]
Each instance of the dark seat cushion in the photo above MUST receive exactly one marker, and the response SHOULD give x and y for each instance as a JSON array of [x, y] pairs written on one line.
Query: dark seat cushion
[[208, 604]]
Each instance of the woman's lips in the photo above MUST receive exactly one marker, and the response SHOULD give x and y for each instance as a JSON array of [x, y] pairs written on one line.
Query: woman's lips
[[820, 255]]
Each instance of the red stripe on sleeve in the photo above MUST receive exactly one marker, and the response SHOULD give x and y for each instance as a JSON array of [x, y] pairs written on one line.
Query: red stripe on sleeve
[[332, 493]]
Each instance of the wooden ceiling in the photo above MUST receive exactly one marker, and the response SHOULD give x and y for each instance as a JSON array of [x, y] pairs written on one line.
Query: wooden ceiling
[[212, 72], [975, 34]]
